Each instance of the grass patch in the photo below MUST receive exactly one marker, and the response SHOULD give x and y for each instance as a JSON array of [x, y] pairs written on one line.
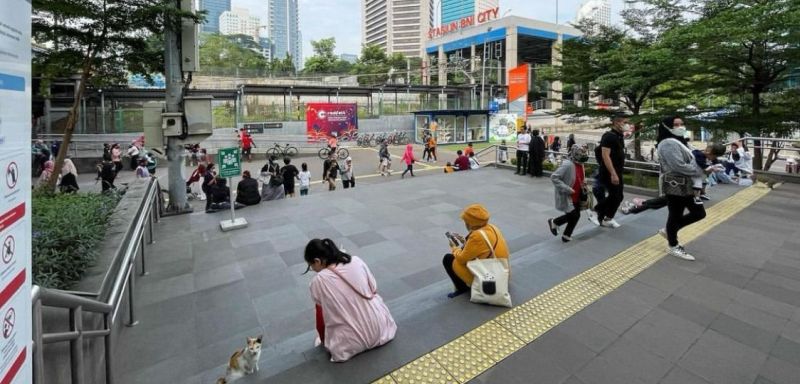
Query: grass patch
[[67, 229]]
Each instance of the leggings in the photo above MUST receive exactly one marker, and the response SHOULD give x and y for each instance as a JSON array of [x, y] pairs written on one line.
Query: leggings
[[460, 285], [570, 219], [409, 168], [654, 204], [677, 220]]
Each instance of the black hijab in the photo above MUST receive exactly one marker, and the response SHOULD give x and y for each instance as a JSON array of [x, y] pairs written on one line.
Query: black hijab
[[664, 127]]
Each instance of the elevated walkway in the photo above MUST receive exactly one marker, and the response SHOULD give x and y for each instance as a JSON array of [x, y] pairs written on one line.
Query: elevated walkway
[[208, 290]]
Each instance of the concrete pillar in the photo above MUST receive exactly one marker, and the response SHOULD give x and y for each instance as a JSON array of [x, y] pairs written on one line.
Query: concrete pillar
[[426, 69], [511, 53], [442, 64], [554, 93], [472, 60]]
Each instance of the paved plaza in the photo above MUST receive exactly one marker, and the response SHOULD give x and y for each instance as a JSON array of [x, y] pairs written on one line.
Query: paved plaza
[[730, 317]]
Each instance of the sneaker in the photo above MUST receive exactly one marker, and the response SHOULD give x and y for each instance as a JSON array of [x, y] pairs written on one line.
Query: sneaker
[[705, 197], [609, 223], [592, 217], [680, 253], [663, 233], [553, 227], [626, 207], [566, 239]]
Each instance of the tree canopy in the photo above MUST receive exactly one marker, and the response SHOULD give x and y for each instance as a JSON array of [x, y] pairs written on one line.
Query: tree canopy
[[324, 60]]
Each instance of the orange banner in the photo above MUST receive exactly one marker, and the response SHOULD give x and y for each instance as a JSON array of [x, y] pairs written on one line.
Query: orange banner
[[518, 83]]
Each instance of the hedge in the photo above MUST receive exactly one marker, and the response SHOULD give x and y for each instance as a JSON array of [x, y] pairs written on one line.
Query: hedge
[[67, 229]]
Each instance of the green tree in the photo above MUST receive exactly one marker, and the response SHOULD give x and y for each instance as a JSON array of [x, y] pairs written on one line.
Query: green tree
[[373, 66], [102, 41], [324, 60], [231, 53], [282, 67]]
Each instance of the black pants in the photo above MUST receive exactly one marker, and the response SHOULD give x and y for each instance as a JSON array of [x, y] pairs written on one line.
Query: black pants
[[460, 285], [607, 208], [522, 161], [536, 166], [432, 153], [348, 183], [409, 168], [426, 154], [570, 219], [676, 220], [134, 162], [654, 204], [117, 166]]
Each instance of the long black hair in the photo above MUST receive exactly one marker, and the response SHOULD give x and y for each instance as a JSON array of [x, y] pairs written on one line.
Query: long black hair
[[326, 251]]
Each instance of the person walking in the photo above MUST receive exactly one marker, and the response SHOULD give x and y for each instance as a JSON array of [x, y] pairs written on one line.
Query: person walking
[[348, 180], [569, 180], [537, 154], [612, 154], [570, 140], [385, 159], [432, 148], [408, 158], [133, 153], [523, 142], [333, 172], [116, 157], [305, 179], [678, 166], [107, 172]]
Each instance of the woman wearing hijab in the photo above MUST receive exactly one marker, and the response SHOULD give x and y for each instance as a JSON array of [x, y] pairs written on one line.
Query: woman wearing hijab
[[69, 177], [272, 182], [408, 158], [47, 172], [569, 180], [678, 167], [571, 140]]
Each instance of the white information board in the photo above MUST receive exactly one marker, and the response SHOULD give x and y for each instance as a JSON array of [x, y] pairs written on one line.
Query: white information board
[[15, 191]]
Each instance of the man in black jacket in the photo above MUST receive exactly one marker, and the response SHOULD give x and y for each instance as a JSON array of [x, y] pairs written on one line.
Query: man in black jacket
[[247, 190], [537, 154]]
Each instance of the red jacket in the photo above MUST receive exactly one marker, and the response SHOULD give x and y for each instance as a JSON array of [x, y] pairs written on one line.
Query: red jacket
[[462, 162]]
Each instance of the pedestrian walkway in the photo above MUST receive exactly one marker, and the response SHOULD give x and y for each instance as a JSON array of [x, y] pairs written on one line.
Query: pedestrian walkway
[[207, 290]]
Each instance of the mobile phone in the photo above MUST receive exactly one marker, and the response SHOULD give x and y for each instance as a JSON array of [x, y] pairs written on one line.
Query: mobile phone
[[451, 237]]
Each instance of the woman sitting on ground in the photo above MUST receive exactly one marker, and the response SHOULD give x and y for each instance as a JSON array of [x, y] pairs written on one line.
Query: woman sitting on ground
[[351, 316], [476, 219], [247, 190]]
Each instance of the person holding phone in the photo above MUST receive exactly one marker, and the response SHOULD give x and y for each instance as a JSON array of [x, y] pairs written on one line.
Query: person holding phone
[[473, 246]]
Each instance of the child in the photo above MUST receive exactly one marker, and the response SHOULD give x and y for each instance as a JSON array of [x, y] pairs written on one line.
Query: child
[[333, 171], [473, 161], [305, 179], [503, 152], [448, 168], [706, 162], [469, 150]]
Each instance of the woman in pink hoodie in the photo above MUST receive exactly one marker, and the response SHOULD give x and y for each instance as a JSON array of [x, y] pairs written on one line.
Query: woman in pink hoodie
[[408, 158]]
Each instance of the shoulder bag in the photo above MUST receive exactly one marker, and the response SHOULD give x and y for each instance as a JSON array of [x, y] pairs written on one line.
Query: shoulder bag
[[490, 285]]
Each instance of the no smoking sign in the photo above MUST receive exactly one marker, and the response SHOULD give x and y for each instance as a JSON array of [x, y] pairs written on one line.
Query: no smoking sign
[[8, 248], [8, 322]]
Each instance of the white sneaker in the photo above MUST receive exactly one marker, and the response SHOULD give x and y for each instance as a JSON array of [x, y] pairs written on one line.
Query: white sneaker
[[592, 217], [680, 253], [663, 233], [625, 208], [609, 223]]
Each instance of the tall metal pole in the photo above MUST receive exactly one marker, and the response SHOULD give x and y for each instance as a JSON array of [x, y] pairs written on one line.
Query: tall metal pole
[[483, 72], [103, 110], [174, 99]]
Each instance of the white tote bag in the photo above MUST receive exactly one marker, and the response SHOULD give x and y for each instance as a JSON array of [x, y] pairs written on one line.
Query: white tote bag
[[490, 285]]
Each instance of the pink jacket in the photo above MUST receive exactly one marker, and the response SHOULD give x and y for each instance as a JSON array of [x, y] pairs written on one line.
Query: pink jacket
[[356, 318], [408, 155]]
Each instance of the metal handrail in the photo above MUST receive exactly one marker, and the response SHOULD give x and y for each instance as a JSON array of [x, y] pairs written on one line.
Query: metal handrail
[[99, 303], [636, 168]]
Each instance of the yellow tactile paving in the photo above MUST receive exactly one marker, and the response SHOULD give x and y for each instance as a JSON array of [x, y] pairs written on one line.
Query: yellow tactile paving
[[469, 355]]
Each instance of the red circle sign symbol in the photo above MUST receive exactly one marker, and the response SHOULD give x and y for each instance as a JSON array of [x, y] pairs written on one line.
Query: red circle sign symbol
[[12, 174], [8, 322], [7, 249]]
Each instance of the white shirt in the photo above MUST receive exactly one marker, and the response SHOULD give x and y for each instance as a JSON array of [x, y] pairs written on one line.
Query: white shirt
[[133, 151], [305, 179], [523, 140], [745, 162]]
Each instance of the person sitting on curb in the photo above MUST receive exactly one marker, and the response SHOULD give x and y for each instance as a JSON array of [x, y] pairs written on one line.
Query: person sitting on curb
[[247, 190], [462, 162], [351, 316], [476, 219]]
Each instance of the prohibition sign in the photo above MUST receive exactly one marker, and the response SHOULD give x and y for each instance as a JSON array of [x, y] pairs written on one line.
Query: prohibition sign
[[8, 322], [7, 249], [12, 174]]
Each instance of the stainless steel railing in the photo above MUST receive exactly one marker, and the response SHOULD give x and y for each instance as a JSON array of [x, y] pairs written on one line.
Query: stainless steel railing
[[106, 302], [630, 165]]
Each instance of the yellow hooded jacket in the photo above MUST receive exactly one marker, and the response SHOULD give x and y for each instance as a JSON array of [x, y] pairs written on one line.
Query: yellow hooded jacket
[[475, 246]]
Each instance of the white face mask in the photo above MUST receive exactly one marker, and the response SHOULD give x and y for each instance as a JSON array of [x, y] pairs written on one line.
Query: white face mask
[[680, 131]]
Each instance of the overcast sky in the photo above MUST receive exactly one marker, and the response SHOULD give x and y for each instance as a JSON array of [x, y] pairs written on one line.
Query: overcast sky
[[342, 18]]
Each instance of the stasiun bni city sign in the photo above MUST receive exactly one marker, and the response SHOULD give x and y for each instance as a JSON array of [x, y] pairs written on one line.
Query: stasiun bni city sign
[[469, 21]]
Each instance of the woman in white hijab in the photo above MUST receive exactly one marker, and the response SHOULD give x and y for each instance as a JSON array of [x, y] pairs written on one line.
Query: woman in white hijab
[[69, 177]]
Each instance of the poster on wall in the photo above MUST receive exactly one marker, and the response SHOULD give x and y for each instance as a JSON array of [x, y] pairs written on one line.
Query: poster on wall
[[518, 90], [15, 191], [503, 126], [324, 120]]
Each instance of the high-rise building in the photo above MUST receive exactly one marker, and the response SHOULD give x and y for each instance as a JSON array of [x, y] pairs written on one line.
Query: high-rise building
[[283, 21], [454, 10], [598, 11], [397, 26], [239, 21], [214, 9]]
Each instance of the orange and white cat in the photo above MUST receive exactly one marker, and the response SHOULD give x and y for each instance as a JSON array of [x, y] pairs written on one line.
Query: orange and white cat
[[243, 361]]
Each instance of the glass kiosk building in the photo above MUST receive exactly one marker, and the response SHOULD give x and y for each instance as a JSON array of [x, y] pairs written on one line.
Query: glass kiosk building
[[452, 126]]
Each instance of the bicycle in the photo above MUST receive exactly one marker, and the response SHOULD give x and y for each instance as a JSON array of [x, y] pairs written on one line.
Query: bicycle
[[341, 153], [366, 140], [285, 151]]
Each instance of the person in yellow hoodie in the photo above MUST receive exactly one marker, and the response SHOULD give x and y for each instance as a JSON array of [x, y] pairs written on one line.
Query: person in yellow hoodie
[[476, 219]]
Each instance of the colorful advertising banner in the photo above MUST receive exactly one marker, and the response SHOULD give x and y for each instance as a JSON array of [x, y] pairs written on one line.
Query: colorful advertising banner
[[15, 191], [324, 120], [503, 126], [518, 90]]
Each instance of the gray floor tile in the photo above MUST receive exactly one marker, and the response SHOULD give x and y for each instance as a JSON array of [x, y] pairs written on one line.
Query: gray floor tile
[[791, 331], [588, 332], [766, 304], [664, 277], [756, 317], [787, 350], [710, 293], [613, 314], [679, 375], [721, 360], [602, 371], [217, 276], [524, 366], [366, 238], [774, 292], [563, 350], [645, 365], [664, 334], [282, 304], [744, 333], [689, 310], [779, 371]]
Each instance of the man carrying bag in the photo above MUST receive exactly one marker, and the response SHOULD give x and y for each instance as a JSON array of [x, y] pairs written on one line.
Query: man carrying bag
[[480, 264]]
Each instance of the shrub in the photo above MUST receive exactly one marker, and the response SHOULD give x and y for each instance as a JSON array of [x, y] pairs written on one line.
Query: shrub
[[67, 229]]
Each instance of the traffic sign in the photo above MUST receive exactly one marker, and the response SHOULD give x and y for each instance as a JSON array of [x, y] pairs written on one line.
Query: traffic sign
[[229, 162]]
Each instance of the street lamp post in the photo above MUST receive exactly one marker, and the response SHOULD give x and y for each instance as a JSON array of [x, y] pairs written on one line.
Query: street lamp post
[[483, 66]]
